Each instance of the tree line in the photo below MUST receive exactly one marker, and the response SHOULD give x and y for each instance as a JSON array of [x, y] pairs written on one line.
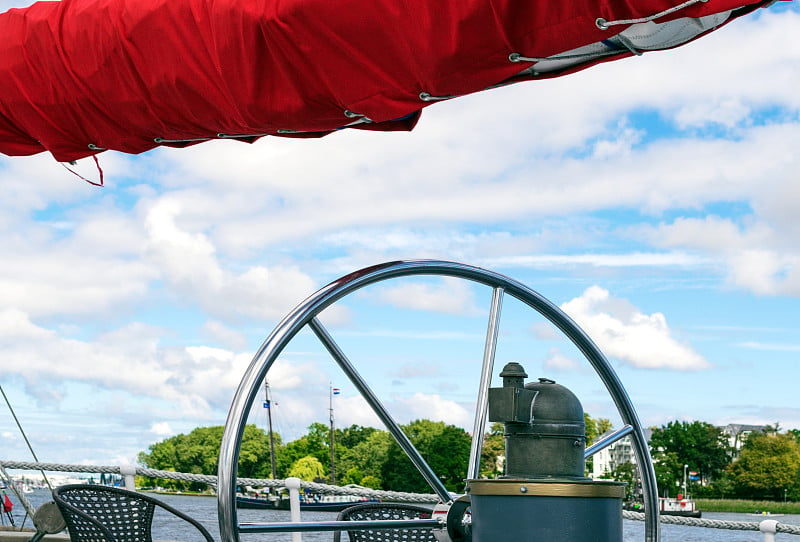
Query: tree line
[[365, 456], [766, 468]]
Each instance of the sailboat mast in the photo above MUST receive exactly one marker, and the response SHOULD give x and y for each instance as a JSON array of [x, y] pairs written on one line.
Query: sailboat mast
[[268, 404], [333, 453]]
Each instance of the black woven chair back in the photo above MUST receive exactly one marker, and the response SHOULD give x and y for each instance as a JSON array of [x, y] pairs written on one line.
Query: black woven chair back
[[96, 513], [386, 511]]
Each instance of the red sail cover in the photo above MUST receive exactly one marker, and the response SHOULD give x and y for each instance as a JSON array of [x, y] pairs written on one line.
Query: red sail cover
[[81, 76]]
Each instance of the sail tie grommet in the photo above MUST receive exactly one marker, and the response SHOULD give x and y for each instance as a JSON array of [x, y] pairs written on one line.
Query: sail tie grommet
[[604, 24], [161, 140], [427, 97], [360, 118], [239, 136], [93, 147], [516, 57]]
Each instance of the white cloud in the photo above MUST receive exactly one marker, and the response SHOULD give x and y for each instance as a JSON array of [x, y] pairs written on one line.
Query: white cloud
[[434, 407], [770, 346], [415, 370], [632, 259], [448, 295], [128, 359], [162, 429], [229, 338], [558, 361], [621, 331], [354, 410], [189, 264], [755, 255]]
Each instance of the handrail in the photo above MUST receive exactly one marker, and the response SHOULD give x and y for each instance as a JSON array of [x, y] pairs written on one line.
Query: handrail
[[362, 525]]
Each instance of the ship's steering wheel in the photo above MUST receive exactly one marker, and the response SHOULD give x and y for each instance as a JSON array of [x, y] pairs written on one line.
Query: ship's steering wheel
[[306, 313]]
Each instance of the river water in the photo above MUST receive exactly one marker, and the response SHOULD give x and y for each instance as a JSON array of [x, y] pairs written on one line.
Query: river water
[[204, 509]]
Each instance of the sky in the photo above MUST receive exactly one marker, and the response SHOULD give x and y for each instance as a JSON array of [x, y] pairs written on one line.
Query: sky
[[654, 199]]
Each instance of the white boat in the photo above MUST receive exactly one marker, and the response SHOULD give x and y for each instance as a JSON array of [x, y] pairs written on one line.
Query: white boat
[[680, 506]]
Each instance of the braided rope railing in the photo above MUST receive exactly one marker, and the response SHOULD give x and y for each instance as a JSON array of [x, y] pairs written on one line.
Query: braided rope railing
[[362, 492], [212, 480], [713, 523]]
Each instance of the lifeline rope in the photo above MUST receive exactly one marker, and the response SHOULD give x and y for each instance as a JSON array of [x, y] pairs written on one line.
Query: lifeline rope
[[713, 523], [212, 480], [363, 492]]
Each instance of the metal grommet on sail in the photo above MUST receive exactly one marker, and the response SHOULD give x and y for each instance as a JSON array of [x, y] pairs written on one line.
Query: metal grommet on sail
[[427, 97], [603, 24], [517, 57], [160, 140]]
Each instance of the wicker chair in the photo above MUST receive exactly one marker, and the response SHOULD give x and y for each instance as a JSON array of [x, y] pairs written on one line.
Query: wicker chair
[[99, 513], [386, 511]]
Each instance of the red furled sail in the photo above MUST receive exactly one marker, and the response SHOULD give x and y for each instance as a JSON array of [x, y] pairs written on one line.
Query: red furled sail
[[81, 76]]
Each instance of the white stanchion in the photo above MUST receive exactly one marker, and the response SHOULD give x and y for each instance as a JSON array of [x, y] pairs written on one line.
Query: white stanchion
[[293, 485], [128, 472], [768, 527]]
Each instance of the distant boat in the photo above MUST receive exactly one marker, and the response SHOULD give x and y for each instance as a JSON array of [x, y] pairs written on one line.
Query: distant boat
[[260, 503], [669, 506], [766, 513]]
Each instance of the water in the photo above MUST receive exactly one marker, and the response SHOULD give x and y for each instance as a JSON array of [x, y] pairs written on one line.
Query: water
[[204, 509]]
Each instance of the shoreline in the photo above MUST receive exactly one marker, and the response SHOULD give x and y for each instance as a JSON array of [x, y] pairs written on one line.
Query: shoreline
[[738, 506]]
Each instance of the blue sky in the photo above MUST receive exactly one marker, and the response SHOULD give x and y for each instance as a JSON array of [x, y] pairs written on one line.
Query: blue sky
[[654, 199]]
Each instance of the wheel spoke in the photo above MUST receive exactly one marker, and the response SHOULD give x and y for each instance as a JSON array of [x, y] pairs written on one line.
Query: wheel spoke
[[620, 433], [379, 409], [481, 406]]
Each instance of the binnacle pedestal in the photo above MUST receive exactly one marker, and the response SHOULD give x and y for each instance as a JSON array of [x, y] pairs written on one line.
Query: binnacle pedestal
[[544, 494]]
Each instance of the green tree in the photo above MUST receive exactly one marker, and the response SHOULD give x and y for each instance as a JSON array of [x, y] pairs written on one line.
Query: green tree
[[626, 472], [371, 482], [595, 427], [669, 472], [767, 464], [699, 445], [494, 448], [353, 475], [369, 456], [314, 443], [352, 436], [444, 447], [198, 453], [308, 469]]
